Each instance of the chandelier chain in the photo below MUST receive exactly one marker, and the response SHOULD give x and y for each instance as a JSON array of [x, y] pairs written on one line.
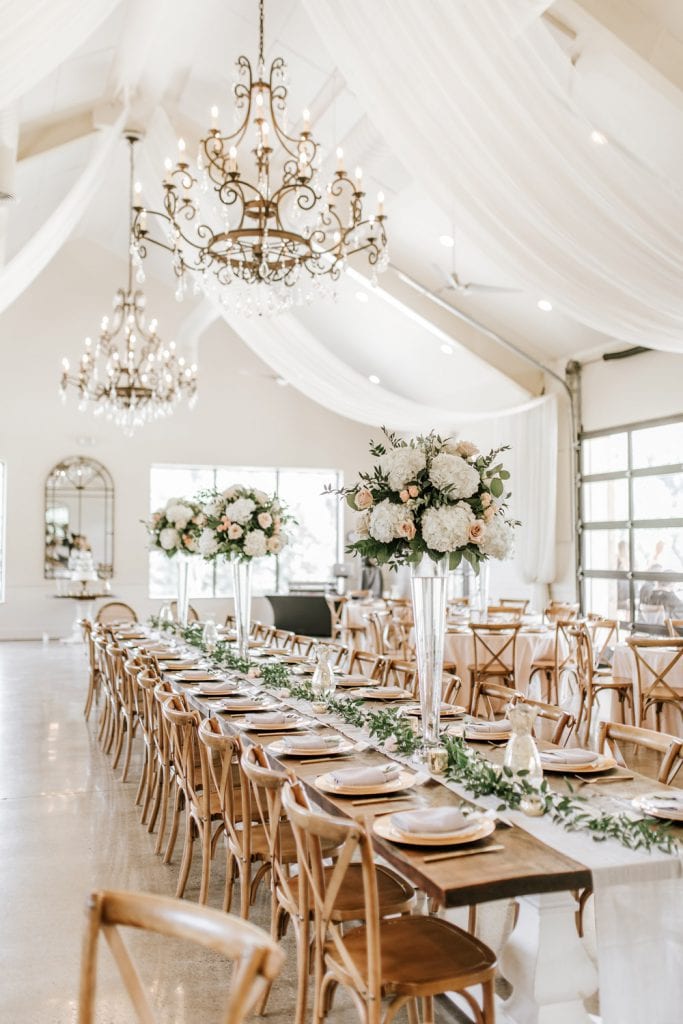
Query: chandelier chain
[[261, 33]]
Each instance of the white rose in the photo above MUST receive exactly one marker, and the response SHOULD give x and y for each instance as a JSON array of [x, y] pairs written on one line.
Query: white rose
[[179, 514], [261, 498], [447, 528], [207, 543], [386, 520], [402, 465], [255, 543], [498, 539], [240, 511], [169, 538], [230, 493], [452, 474]]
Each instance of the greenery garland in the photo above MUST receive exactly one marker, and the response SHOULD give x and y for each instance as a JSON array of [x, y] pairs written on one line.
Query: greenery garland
[[471, 770]]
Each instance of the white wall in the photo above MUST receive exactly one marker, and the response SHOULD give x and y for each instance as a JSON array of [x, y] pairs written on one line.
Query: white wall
[[643, 387], [239, 419]]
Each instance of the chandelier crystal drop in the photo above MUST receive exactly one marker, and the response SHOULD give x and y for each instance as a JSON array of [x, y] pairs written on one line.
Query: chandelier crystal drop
[[129, 374], [250, 221]]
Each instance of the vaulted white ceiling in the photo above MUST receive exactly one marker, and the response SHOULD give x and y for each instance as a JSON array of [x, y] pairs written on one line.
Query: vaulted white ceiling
[[180, 57]]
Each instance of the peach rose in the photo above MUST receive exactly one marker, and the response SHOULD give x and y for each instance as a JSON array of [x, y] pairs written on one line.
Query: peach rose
[[274, 545], [235, 531], [363, 498], [489, 513], [413, 490], [465, 449], [407, 529], [404, 495], [265, 520], [277, 524], [485, 499], [476, 531]]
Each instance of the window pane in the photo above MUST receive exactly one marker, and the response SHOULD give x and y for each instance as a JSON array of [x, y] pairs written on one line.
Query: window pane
[[313, 547], [658, 549], [657, 601], [658, 497], [605, 549], [177, 482], [605, 454], [658, 446], [262, 577], [260, 479], [605, 500], [609, 598]]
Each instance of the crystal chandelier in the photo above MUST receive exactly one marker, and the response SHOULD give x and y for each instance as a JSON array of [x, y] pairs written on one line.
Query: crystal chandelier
[[252, 213], [129, 375]]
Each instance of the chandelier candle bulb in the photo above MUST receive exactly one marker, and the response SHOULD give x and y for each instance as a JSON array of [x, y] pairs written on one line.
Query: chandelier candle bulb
[[307, 122], [380, 204]]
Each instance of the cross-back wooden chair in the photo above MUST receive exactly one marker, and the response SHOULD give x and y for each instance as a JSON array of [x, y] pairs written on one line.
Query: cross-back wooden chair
[[674, 627], [367, 663], [335, 604], [515, 602], [338, 652], [514, 612], [94, 673], [192, 613], [145, 681], [229, 622], [164, 774], [130, 707], [452, 685], [655, 685], [591, 684], [303, 645], [401, 673], [605, 634], [493, 659], [561, 610], [116, 611], [389, 635], [404, 959], [562, 663], [282, 639], [612, 734], [195, 781], [262, 632], [105, 721], [493, 699], [114, 661], [257, 959]]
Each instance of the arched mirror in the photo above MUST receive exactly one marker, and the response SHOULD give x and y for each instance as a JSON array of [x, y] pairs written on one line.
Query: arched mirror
[[79, 517]]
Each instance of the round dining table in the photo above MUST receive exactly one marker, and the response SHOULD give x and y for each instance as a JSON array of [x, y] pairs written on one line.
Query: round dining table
[[624, 668], [533, 643]]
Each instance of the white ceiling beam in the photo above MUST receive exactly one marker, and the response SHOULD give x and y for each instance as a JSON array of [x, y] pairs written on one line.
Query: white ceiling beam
[[38, 137]]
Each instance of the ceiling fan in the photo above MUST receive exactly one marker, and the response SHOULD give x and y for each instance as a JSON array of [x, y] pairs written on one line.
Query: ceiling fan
[[453, 282]]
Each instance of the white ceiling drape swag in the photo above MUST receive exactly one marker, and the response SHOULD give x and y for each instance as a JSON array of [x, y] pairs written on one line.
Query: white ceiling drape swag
[[476, 97], [23, 269], [39, 35]]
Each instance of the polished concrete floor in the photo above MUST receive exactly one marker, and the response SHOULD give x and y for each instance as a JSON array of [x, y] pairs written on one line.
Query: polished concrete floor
[[68, 826]]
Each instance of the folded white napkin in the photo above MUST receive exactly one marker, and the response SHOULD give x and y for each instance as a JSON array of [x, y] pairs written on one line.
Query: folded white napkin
[[355, 680], [502, 726], [577, 755], [308, 740], [437, 820], [664, 801], [268, 718], [365, 776], [218, 689], [393, 691]]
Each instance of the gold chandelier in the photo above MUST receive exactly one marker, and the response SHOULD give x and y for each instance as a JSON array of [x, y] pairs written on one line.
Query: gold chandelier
[[129, 375], [252, 214]]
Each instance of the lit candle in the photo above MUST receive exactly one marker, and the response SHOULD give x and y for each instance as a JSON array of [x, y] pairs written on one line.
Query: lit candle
[[214, 117], [181, 147], [307, 120], [168, 165], [65, 364], [359, 178], [265, 129], [340, 158], [232, 159], [380, 204]]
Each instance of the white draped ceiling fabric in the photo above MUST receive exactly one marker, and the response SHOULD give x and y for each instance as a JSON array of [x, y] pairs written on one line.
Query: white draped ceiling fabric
[[477, 96]]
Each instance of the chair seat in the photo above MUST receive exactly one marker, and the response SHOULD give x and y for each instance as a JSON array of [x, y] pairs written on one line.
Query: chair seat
[[393, 892], [608, 683], [287, 854], [543, 663], [420, 955], [664, 693], [492, 671]]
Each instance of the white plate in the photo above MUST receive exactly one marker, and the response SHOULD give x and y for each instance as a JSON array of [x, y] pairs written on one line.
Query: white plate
[[481, 827], [326, 784], [642, 803], [291, 725], [280, 748], [381, 694], [603, 764]]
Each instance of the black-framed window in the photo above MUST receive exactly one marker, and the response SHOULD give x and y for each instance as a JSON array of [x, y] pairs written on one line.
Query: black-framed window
[[315, 543], [631, 523]]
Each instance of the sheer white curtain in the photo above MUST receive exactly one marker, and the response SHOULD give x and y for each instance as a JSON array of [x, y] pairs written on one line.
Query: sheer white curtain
[[475, 96]]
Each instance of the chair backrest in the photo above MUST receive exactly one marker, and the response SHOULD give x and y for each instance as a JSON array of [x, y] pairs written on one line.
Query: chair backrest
[[670, 747], [183, 727], [514, 612], [192, 614], [452, 685], [338, 652], [229, 621], [490, 656], [302, 645], [116, 611], [492, 695], [674, 627], [367, 663], [260, 631], [319, 888], [558, 610], [401, 673], [604, 636], [223, 753], [653, 679], [515, 602], [258, 959], [335, 603], [282, 639]]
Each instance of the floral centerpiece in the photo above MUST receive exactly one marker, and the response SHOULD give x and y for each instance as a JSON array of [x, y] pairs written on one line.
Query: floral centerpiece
[[174, 530], [240, 524], [430, 502]]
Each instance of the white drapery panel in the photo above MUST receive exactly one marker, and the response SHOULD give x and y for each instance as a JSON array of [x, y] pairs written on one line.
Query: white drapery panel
[[39, 35], [478, 97], [23, 269]]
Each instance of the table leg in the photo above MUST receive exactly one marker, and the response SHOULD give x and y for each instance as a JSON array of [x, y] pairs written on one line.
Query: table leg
[[547, 965], [84, 610]]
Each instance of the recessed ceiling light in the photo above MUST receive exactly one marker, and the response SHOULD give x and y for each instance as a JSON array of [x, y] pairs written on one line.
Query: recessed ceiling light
[[362, 296], [544, 305], [373, 378], [447, 240], [447, 350], [598, 138]]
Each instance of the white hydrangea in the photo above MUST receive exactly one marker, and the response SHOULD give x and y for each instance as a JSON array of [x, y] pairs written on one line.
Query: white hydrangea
[[213, 507], [498, 539], [402, 465], [231, 492], [179, 514], [447, 528], [207, 544], [261, 498], [386, 519], [255, 543], [169, 538], [240, 511], [452, 473]]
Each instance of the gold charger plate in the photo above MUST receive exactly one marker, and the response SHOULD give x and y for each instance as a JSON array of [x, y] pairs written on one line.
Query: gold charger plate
[[246, 707], [449, 711], [326, 784], [289, 726], [381, 693], [603, 764], [481, 828], [197, 675], [280, 748], [364, 681], [642, 803], [484, 737], [177, 666]]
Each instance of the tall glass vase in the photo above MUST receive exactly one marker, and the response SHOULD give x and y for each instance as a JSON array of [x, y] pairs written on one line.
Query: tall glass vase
[[484, 583], [241, 578], [429, 585], [183, 603]]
